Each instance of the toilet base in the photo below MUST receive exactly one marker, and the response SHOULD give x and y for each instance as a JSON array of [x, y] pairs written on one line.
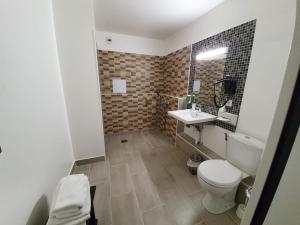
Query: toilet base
[[216, 204]]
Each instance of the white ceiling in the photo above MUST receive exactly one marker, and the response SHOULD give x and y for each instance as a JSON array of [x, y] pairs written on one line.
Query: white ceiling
[[156, 19]]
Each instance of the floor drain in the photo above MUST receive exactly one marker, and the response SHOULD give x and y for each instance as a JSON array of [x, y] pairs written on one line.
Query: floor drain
[[124, 141]]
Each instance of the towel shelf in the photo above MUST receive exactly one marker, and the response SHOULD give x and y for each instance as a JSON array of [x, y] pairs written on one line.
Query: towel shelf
[[93, 219]]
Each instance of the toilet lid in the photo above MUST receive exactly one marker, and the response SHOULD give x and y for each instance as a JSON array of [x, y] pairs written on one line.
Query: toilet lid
[[219, 173]]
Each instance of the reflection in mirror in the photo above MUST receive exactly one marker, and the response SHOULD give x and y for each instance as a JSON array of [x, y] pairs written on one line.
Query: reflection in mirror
[[224, 56], [208, 72]]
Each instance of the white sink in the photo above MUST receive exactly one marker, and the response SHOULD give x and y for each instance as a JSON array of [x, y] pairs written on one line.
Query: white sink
[[189, 116]]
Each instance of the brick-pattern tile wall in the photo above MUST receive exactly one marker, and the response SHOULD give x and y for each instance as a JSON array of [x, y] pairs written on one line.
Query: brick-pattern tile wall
[[137, 108], [208, 72], [176, 69], [166, 123], [144, 75], [128, 112], [176, 72]]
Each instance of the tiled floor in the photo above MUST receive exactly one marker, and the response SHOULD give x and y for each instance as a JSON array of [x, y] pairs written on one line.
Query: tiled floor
[[145, 182]]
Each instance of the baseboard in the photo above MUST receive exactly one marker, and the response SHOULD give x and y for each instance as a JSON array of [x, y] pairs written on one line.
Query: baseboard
[[89, 160], [72, 167]]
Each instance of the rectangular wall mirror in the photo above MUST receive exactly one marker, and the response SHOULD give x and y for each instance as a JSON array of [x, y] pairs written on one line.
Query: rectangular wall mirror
[[224, 55]]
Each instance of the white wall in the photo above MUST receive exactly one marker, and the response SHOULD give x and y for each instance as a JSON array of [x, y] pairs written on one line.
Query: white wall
[[74, 26], [289, 80], [273, 35], [285, 207], [130, 44], [34, 132], [213, 137]]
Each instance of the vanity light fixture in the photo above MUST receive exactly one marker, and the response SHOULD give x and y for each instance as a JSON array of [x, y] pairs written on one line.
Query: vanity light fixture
[[218, 53]]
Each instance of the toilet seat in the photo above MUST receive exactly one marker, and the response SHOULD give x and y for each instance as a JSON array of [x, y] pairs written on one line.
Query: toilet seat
[[219, 173]]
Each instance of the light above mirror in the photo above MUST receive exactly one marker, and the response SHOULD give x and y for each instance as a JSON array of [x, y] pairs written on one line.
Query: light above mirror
[[218, 53]]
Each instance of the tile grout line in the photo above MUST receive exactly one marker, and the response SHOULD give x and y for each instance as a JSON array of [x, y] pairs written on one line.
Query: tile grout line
[[135, 197], [107, 164], [148, 139]]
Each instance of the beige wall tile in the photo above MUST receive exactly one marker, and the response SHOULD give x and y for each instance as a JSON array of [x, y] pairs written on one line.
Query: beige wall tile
[[140, 107]]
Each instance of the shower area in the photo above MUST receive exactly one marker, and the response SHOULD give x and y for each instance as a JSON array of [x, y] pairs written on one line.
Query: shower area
[[154, 85]]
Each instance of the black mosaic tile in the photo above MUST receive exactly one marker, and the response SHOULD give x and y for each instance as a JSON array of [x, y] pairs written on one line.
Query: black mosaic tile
[[239, 41]]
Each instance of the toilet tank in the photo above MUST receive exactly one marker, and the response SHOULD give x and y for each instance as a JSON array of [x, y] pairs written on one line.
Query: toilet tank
[[244, 152]]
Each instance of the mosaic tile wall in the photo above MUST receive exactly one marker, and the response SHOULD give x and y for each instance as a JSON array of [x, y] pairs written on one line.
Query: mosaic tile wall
[[176, 69], [208, 72], [143, 73], [137, 108], [166, 123], [140, 107], [239, 41]]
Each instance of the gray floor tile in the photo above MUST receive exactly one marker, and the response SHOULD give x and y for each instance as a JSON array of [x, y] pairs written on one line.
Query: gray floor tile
[[232, 214], [177, 203], [184, 179], [166, 159], [186, 216], [135, 162], [127, 146], [84, 169], [102, 203], [181, 157], [125, 210], [120, 180], [212, 219], [98, 172], [139, 142], [116, 155], [146, 192], [157, 216], [197, 202], [209, 218], [154, 166], [156, 139], [149, 184]]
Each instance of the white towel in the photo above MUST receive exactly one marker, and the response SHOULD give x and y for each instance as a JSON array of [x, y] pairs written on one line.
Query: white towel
[[73, 220], [71, 194], [81, 220], [75, 212], [71, 202]]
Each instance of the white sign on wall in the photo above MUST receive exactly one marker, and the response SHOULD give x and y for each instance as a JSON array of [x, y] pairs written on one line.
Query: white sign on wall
[[119, 86]]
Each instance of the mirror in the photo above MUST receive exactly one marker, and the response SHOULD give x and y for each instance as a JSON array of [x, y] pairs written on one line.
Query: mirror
[[207, 72], [224, 56]]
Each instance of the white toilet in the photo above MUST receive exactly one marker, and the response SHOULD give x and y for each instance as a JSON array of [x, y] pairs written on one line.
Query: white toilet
[[220, 178]]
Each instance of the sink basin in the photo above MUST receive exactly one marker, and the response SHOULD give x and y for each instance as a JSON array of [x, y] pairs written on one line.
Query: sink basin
[[189, 116]]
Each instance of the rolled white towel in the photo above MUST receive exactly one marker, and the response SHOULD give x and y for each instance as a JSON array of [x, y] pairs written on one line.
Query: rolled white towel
[[73, 219], [70, 213], [71, 202], [67, 213], [70, 194]]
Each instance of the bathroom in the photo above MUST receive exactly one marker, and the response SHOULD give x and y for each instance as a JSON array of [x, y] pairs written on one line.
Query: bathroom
[[177, 112], [140, 128]]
